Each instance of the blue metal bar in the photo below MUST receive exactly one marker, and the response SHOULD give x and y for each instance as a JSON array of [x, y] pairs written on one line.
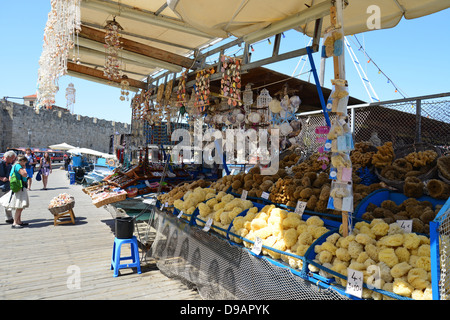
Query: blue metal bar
[[435, 261], [319, 88]]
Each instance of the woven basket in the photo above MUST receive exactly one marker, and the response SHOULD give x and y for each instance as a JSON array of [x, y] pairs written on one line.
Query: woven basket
[[403, 152], [61, 209], [104, 202]]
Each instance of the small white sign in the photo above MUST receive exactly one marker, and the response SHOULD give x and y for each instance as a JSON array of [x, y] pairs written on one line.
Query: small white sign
[[244, 194], [180, 214], [354, 283], [208, 225], [257, 246], [300, 208], [265, 195], [405, 225]]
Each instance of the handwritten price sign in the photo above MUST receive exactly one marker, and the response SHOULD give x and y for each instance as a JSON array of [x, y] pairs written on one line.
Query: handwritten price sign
[[354, 283]]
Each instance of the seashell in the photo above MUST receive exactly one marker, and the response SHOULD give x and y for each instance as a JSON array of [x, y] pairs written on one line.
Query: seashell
[[295, 102], [285, 129], [296, 125], [275, 106], [236, 111], [240, 118], [254, 117]]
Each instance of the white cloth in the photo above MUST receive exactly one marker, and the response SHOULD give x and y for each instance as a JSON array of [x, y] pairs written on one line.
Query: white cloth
[[18, 200], [8, 212]]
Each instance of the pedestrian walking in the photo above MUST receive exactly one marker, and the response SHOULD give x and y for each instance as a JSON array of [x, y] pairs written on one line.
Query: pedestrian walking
[[46, 168], [31, 163], [17, 200], [6, 164]]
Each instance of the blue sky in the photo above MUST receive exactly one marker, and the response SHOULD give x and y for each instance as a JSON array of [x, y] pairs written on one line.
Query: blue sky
[[413, 55]]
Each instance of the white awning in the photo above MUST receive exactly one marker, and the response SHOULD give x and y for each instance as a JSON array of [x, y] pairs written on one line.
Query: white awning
[[163, 35]]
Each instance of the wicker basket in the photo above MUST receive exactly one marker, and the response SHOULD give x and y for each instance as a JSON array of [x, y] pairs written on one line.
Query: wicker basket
[[116, 198], [57, 210], [403, 152]]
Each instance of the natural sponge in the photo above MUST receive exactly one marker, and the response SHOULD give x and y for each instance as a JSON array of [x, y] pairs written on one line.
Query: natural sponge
[[438, 189], [413, 187]]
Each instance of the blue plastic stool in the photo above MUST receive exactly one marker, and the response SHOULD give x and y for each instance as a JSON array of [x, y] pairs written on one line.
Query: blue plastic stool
[[116, 258]]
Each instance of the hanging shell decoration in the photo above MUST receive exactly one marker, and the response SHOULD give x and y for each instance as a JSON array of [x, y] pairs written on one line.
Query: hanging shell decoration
[[181, 91], [275, 106], [230, 85]]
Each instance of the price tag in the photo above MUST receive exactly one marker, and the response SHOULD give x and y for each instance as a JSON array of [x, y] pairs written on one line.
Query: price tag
[[162, 206], [354, 283], [244, 194], [257, 246], [405, 225], [180, 214], [147, 183], [265, 195], [347, 204], [300, 208], [166, 204], [208, 225]]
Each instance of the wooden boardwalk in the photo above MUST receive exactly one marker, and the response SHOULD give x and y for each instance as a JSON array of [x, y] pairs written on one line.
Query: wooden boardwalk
[[72, 262]]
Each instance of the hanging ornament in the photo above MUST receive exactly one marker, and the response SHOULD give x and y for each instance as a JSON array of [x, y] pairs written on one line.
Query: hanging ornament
[[202, 89], [112, 49], [230, 85], [181, 91], [70, 97], [124, 88], [60, 36], [263, 99]]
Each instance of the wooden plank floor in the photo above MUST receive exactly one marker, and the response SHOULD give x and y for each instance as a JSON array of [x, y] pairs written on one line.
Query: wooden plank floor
[[72, 262]]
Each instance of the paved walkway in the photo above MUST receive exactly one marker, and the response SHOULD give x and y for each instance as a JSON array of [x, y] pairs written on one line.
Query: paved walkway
[[43, 261]]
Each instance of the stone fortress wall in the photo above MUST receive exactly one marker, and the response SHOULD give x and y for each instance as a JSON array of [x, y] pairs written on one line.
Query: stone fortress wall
[[22, 126]]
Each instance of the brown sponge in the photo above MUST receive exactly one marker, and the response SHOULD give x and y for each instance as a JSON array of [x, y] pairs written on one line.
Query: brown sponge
[[438, 189], [413, 187]]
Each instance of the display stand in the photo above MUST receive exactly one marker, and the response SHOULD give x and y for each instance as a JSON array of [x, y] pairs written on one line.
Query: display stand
[[66, 214]]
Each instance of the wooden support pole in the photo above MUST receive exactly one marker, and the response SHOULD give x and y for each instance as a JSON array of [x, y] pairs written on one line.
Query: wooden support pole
[[339, 73]]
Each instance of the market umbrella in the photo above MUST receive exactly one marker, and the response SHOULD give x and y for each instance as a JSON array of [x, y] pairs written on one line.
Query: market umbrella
[[61, 146], [79, 151], [75, 151]]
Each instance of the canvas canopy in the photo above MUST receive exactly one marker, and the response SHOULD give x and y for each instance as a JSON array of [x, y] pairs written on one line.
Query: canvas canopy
[[160, 35], [61, 146]]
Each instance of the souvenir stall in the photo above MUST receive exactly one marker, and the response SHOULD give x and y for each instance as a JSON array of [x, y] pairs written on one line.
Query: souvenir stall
[[349, 220], [352, 217]]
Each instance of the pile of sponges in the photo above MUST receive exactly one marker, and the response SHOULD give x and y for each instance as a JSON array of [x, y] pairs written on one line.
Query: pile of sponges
[[191, 199], [402, 259], [420, 212], [279, 229], [222, 209]]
